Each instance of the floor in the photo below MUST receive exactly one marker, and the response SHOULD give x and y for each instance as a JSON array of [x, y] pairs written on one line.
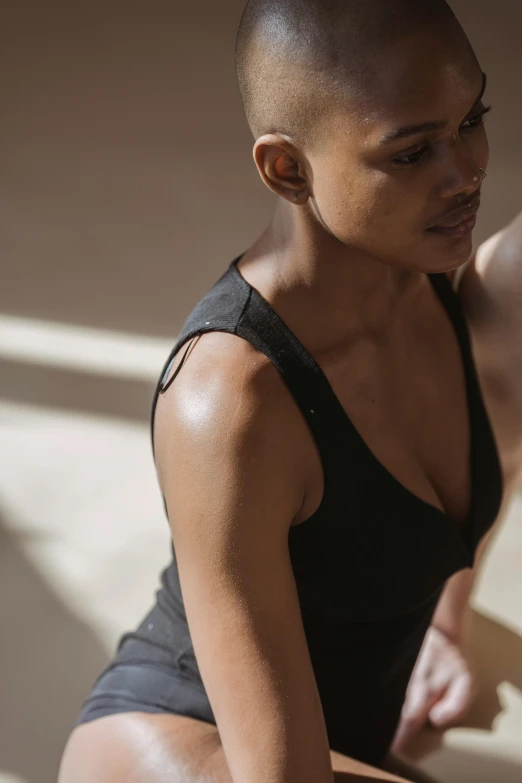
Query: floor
[[119, 210]]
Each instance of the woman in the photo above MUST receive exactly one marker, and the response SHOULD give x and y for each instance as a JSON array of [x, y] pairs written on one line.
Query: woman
[[312, 438]]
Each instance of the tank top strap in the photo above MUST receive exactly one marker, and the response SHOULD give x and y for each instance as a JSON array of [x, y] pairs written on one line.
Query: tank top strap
[[484, 459], [219, 309], [266, 331], [233, 305]]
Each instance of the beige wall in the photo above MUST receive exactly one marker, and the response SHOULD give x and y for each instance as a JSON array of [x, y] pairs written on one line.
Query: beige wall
[[127, 179]]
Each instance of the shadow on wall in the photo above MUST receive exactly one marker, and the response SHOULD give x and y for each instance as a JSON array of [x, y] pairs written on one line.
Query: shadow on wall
[[49, 660], [496, 653], [73, 390]]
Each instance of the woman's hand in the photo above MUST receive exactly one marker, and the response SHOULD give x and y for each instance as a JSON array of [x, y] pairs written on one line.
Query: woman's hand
[[441, 690]]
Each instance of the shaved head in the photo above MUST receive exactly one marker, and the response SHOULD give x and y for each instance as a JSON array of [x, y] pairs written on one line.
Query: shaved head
[[367, 117], [299, 61]]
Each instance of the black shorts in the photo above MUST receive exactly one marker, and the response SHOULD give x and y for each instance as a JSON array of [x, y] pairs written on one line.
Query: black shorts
[[144, 677]]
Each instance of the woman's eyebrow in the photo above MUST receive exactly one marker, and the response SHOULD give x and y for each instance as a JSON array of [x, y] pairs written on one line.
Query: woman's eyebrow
[[410, 130]]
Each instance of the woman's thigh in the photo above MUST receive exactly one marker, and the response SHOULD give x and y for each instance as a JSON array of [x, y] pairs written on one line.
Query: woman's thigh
[[400, 765], [138, 747]]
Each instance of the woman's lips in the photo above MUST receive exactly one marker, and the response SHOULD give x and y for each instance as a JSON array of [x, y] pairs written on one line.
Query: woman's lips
[[462, 228]]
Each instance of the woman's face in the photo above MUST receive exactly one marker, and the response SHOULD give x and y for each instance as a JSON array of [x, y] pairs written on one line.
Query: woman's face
[[381, 196]]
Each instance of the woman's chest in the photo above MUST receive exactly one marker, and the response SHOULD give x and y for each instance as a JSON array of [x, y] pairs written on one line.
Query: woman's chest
[[416, 483]]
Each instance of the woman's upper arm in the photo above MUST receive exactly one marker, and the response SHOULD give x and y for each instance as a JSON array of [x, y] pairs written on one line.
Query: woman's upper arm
[[232, 489]]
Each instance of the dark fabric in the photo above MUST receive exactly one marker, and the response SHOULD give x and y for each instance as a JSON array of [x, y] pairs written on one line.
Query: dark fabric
[[369, 564]]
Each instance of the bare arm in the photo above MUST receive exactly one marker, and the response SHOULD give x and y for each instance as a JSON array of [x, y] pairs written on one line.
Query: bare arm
[[451, 612], [229, 470], [490, 293], [231, 495]]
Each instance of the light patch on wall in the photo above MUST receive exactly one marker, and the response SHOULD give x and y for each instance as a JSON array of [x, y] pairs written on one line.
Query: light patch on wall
[[83, 348]]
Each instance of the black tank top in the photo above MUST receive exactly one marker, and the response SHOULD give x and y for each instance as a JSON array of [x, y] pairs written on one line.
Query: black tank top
[[371, 562]]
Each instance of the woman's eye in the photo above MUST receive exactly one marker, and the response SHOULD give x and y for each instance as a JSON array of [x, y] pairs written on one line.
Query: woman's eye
[[410, 160], [475, 123], [478, 120]]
